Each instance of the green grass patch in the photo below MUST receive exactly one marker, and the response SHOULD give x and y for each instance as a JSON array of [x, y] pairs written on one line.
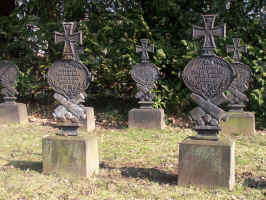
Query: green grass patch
[[134, 164]]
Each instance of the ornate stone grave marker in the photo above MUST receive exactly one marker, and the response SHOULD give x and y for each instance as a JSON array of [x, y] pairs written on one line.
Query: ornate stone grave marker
[[239, 122], [69, 78], [10, 111], [242, 80], [205, 159], [145, 74]]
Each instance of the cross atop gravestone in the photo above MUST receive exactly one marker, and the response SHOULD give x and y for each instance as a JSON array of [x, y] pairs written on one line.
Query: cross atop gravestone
[[71, 41], [236, 48], [208, 32], [144, 49]]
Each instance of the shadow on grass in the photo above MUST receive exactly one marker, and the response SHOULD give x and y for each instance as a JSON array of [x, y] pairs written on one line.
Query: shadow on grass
[[151, 174], [24, 165], [254, 182]]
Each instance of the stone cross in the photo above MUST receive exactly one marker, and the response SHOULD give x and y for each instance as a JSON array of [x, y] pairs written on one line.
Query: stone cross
[[144, 49], [236, 49], [71, 41], [208, 32]]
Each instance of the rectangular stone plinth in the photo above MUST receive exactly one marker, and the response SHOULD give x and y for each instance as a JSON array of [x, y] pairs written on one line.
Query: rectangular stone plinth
[[146, 118], [88, 124], [70, 155], [207, 163], [13, 113], [239, 123]]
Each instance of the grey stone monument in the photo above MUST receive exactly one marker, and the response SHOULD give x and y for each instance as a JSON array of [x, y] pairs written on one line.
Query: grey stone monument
[[145, 74], [71, 45], [67, 153], [205, 159], [11, 112], [239, 122]]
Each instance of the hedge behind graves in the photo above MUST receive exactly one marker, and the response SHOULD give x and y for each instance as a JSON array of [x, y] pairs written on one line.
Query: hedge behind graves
[[111, 30]]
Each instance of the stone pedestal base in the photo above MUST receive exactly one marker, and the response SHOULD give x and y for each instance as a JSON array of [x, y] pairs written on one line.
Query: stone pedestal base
[[88, 124], [146, 118], [13, 113], [209, 163], [70, 155], [239, 123]]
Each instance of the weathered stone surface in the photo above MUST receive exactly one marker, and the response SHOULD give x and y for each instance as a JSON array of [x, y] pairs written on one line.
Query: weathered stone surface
[[72, 155], [88, 124], [12, 113], [208, 163], [146, 118], [239, 123]]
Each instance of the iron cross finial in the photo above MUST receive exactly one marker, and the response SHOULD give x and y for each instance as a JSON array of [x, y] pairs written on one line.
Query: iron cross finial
[[144, 49], [71, 40], [236, 48], [208, 32]]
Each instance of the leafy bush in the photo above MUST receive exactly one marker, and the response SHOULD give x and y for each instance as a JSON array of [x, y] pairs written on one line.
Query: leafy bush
[[112, 30]]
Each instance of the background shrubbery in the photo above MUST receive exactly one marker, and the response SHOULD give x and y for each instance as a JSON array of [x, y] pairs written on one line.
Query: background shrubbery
[[111, 31]]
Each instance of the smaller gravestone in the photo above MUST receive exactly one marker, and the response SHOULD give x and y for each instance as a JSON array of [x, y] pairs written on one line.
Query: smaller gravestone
[[145, 74], [205, 159], [10, 111], [239, 122], [68, 153]]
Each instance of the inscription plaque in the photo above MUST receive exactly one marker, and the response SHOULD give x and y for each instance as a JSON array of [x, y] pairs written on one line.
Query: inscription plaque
[[8, 76], [68, 78], [208, 77], [241, 82], [145, 74]]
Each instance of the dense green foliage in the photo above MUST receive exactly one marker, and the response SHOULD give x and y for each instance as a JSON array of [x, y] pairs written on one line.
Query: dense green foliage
[[115, 27]]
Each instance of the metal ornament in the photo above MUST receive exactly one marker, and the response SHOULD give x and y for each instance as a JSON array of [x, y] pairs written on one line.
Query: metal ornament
[[208, 77], [8, 75], [241, 82], [144, 49], [70, 51], [69, 79], [208, 32], [145, 74]]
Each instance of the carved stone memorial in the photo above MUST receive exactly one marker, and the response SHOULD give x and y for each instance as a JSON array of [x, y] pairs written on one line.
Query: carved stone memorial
[[68, 153], [145, 74], [205, 159], [239, 122], [10, 111]]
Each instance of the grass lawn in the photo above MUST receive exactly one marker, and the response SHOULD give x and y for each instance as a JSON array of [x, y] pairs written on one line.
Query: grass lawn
[[134, 164]]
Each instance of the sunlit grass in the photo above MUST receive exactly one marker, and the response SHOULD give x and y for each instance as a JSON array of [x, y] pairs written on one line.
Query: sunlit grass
[[134, 164]]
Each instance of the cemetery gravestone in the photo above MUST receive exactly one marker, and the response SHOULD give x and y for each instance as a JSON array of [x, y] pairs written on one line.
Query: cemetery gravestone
[[205, 159], [67, 153], [10, 111], [71, 41], [239, 122], [145, 74]]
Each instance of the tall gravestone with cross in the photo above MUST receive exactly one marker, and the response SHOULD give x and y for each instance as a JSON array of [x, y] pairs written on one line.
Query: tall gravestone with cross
[[71, 52], [205, 159], [68, 153], [239, 122], [11, 112], [145, 74]]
